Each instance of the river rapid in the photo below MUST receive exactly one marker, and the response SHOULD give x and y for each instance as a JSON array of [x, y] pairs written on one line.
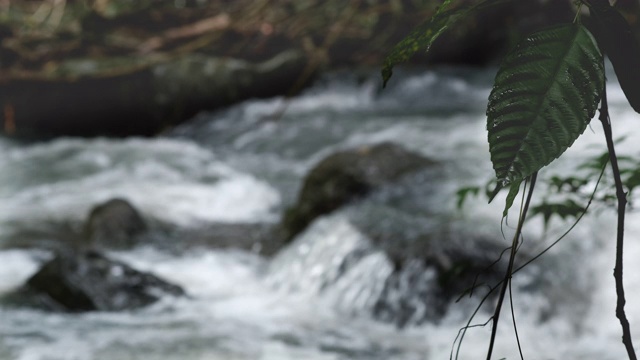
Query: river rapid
[[245, 164]]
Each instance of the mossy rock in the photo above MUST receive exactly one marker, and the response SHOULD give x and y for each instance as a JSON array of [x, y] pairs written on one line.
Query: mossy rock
[[346, 176], [115, 224]]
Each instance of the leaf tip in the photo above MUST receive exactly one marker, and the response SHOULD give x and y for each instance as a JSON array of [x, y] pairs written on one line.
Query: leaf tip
[[514, 189], [495, 192], [386, 75]]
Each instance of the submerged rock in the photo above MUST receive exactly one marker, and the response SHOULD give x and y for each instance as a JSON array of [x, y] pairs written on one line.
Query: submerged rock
[[348, 175], [421, 290], [115, 224], [411, 295], [435, 259], [336, 260], [90, 281], [425, 255]]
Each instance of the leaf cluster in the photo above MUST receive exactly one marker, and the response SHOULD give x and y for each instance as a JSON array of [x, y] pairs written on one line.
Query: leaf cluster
[[566, 196], [545, 94], [546, 90]]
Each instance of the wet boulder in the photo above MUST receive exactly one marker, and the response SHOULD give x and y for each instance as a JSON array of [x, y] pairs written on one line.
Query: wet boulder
[[118, 225], [337, 260], [455, 249], [90, 281], [418, 291], [115, 224], [346, 176], [435, 258]]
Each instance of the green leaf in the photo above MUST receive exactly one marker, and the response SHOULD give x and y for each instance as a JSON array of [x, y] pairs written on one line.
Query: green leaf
[[426, 34], [545, 93], [419, 39], [570, 183], [465, 192], [564, 210], [513, 192], [633, 180], [616, 37]]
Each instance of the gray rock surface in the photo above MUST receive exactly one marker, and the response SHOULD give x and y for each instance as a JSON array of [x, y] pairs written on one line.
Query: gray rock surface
[[90, 281], [346, 176], [115, 224]]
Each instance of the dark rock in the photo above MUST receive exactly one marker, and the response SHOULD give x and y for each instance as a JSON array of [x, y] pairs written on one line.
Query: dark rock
[[25, 297], [115, 224], [433, 269], [434, 262], [421, 289], [405, 281], [436, 252], [451, 248], [137, 95], [348, 175], [411, 295], [184, 87], [90, 281], [116, 105]]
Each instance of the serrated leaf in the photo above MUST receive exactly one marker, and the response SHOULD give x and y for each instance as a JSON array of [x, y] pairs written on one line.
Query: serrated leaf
[[426, 34], [545, 93], [616, 37]]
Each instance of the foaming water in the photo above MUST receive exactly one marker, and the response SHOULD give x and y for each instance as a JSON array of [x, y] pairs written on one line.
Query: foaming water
[[175, 181], [314, 299]]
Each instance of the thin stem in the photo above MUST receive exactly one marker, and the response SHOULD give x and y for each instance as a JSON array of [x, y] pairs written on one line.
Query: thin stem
[[462, 332], [622, 203], [575, 223], [515, 325], [509, 272]]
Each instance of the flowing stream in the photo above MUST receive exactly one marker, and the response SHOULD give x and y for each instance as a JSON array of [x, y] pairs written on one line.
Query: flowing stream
[[245, 164]]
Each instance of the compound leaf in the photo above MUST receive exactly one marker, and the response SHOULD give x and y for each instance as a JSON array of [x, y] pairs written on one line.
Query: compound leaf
[[545, 93]]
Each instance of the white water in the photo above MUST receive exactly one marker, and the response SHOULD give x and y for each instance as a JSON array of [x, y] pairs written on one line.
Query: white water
[[236, 166]]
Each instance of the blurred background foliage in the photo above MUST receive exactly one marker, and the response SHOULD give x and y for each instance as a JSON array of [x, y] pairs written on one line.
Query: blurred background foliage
[[39, 34], [53, 46]]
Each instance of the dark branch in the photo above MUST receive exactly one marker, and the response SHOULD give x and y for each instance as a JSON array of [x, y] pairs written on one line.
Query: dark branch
[[622, 203]]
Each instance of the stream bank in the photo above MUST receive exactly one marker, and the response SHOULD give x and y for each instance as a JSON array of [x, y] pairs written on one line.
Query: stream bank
[[115, 68]]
